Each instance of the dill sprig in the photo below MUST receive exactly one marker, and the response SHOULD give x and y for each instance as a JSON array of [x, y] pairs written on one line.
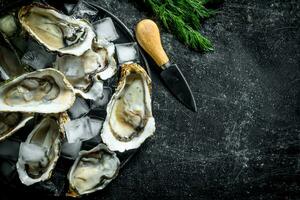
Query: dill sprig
[[184, 18]]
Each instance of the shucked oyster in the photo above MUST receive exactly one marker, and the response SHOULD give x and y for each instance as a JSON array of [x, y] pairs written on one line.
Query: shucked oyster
[[42, 91], [79, 70], [87, 72], [10, 122], [92, 170], [39, 153], [129, 119], [96, 63], [56, 31]]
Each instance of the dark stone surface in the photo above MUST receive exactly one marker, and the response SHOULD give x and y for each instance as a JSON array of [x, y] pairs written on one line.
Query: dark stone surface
[[244, 142]]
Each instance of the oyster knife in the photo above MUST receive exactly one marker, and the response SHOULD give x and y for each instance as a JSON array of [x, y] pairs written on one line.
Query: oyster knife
[[148, 36]]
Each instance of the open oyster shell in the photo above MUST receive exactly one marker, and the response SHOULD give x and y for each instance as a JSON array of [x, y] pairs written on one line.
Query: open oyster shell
[[56, 31], [96, 63], [10, 122], [129, 121], [92, 171], [79, 69], [39, 153], [106, 50], [41, 91]]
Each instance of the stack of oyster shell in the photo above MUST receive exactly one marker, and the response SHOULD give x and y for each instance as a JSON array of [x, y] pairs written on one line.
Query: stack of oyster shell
[[50, 93]]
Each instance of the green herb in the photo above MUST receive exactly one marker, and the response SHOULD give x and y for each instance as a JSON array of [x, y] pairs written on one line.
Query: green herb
[[183, 18]]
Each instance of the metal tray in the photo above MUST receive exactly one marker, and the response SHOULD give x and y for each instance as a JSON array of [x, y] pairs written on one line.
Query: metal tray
[[58, 184]]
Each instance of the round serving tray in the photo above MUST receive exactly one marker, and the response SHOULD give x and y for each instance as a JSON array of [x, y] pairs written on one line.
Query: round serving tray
[[58, 184]]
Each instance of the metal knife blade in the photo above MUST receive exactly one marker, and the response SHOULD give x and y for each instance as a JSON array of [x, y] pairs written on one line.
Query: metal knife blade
[[178, 86], [148, 36]]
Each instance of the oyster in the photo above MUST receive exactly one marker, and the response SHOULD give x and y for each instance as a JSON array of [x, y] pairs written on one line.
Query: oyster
[[92, 170], [96, 63], [129, 121], [106, 50], [87, 72], [39, 153], [10, 122], [42, 91], [56, 31], [78, 70]]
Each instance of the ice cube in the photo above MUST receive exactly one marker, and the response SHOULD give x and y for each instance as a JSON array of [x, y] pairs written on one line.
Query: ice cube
[[37, 57], [74, 72], [105, 29], [79, 108], [3, 75], [8, 25], [69, 7], [96, 126], [127, 52], [9, 150], [71, 150], [95, 92], [79, 130], [84, 10], [102, 101], [70, 65], [32, 152]]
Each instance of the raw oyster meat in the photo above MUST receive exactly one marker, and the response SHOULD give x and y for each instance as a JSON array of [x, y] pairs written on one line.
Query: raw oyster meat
[[129, 121], [41, 91], [92, 170], [39, 153], [56, 31], [10, 122]]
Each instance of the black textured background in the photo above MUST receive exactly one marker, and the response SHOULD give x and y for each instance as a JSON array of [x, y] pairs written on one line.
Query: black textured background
[[244, 142]]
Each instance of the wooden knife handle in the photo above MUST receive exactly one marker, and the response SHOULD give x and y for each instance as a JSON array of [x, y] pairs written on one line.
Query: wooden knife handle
[[148, 36]]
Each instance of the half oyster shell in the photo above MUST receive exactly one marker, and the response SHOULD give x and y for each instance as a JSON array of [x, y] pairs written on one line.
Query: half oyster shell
[[41, 91], [129, 121], [92, 171], [109, 67], [79, 70], [39, 153], [10, 122], [56, 31], [96, 63]]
